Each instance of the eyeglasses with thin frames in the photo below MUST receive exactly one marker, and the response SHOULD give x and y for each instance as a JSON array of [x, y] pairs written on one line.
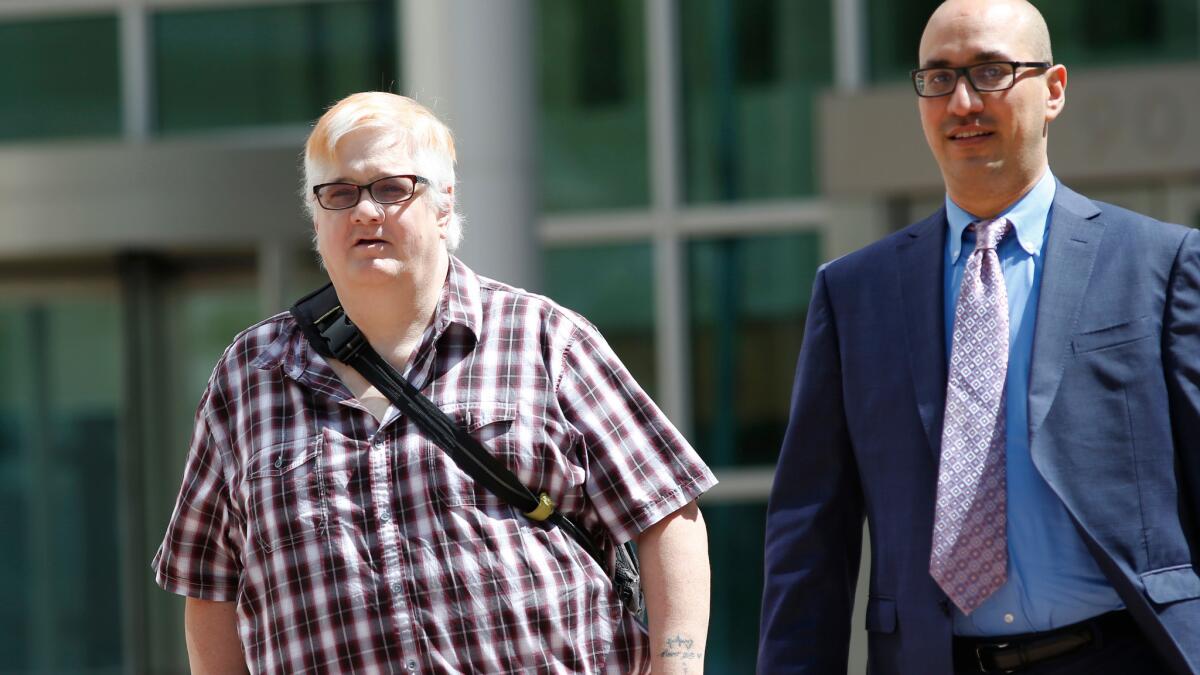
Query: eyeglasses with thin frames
[[386, 190], [983, 77]]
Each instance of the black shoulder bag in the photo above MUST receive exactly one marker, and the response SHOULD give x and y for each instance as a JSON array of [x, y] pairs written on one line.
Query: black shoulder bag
[[331, 334]]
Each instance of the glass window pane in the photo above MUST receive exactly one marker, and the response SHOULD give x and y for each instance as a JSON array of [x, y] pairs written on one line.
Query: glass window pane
[[735, 535], [751, 72], [1153, 30], [268, 65], [592, 89], [894, 35], [60, 388], [1124, 32], [61, 78], [200, 315], [613, 287], [748, 298]]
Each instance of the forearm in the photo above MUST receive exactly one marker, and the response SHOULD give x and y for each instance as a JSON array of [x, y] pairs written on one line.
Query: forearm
[[212, 638], [673, 554]]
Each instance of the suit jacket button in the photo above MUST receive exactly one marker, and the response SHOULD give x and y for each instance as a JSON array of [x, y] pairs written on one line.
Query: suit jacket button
[[944, 603]]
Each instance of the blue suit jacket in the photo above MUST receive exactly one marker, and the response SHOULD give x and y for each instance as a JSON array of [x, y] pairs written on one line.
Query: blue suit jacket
[[1114, 421]]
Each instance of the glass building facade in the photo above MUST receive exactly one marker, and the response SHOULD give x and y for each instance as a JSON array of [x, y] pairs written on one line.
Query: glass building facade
[[682, 210], [68, 84]]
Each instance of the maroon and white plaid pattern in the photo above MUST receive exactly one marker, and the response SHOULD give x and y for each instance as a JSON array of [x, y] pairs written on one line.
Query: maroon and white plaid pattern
[[352, 546], [970, 547]]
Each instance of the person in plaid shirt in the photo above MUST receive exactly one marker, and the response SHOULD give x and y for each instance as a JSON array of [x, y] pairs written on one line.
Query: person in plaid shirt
[[317, 530]]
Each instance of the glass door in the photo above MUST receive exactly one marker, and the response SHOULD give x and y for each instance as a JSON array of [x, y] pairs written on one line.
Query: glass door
[[61, 383]]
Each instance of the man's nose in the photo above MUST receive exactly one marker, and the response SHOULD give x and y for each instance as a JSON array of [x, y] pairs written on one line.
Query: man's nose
[[964, 99], [367, 210]]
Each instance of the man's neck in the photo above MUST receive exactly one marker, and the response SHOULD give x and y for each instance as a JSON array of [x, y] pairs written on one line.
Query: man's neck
[[988, 199], [394, 316]]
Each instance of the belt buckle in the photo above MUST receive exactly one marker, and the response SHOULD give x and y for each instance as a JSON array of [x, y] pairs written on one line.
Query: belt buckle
[[979, 657]]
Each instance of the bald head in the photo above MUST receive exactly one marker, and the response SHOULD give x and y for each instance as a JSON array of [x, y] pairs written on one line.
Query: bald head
[[1025, 29], [990, 144]]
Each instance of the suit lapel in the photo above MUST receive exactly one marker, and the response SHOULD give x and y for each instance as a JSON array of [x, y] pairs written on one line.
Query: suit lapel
[[921, 258], [1073, 237]]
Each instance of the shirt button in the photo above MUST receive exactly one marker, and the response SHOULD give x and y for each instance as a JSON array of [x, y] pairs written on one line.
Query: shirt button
[[396, 589], [385, 516], [412, 665], [1009, 618], [279, 461]]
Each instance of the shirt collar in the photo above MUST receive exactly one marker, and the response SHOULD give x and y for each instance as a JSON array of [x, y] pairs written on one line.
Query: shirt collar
[[460, 305], [1028, 216]]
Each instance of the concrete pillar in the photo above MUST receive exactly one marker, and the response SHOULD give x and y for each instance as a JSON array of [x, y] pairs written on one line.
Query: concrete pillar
[[471, 61]]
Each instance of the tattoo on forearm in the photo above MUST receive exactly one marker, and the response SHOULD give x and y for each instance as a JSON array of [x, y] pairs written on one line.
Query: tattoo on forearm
[[681, 649]]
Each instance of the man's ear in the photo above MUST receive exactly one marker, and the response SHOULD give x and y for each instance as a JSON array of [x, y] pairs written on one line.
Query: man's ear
[[1056, 83], [443, 216]]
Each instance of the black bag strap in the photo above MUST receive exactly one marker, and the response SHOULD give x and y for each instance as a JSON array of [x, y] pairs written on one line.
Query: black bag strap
[[331, 334]]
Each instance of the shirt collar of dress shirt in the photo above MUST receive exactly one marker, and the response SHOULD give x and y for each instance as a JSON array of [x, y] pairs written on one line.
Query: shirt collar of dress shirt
[[459, 305], [1028, 216]]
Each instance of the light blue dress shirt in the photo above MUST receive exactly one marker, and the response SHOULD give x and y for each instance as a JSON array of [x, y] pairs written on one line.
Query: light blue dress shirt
[[1053, 580]]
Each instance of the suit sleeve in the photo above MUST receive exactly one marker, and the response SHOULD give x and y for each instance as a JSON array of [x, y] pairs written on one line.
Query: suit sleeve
[[815, 515], [1181, 328]]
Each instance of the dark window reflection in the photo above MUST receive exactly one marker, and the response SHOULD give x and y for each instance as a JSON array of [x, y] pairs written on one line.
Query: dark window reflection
[[60, 78], [60, 387], [735, 535], [749, 297], [613, 286], [1081, 33], [752, 70], [591, 59], [218, 68]]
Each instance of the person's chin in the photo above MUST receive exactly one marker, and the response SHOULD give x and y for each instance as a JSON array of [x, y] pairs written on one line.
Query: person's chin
[[374, 269], [965, 162]]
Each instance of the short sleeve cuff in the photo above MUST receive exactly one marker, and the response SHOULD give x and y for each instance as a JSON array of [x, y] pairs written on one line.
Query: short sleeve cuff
[[214, 588], [668, 502], [213, 591]]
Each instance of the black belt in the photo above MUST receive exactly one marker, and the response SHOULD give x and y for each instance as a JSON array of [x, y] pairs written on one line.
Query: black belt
[[1007, 654]]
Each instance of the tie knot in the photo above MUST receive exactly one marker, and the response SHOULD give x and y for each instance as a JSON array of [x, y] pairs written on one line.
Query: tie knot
[[988, 233]]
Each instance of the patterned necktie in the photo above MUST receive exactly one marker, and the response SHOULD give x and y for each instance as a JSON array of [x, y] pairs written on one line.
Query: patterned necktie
[[970, 548]]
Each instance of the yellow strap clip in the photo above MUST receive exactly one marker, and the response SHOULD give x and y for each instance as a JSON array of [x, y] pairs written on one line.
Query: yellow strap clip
[[544, 508]]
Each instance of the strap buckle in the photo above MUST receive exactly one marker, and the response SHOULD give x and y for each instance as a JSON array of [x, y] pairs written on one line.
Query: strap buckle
[[544, 510], [343, 338]]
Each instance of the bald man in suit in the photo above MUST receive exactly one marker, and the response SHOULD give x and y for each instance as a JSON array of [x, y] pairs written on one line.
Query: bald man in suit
[[1009, 392]]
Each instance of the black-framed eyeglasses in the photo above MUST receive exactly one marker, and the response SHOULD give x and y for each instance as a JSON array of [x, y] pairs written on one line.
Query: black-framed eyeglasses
[[386, 190], [988, 76]]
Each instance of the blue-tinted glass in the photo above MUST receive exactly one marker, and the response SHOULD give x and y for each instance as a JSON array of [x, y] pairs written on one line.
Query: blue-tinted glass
[[279, 64], [60, 78], [748, 298], [735, 551], [59, 430], [894, 34], [200, 317], [613, 286], [1124, 31], [751, 73], [592, 91]]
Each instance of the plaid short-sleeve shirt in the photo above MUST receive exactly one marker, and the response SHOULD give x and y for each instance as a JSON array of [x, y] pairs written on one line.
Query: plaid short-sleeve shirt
[[356, 546]]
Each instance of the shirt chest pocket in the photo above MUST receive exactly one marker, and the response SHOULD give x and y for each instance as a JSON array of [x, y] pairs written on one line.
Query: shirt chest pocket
[[508, 436], [286, 494]]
